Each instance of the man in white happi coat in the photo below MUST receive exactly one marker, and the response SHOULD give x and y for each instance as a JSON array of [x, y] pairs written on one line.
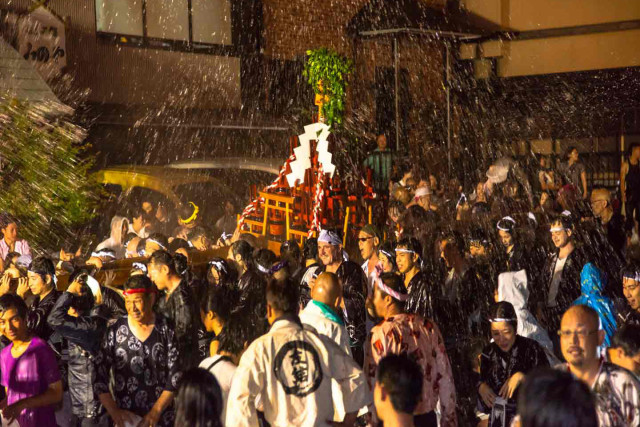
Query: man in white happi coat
[[290, 371]]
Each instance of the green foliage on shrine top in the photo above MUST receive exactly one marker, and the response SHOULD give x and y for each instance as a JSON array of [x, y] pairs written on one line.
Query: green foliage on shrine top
[[327, 71], [44, 165]]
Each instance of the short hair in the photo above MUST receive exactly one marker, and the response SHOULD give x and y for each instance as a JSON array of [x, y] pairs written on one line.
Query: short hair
[[181, 264], [401, 378], [372, 230], [264, 258], [161, 240], [412, 244], [283, 295], [397, 206], [290, 250], [244, 249], [394, 282], [222, 301], [234, 335], [504, 311], [84, 302], [554, 398], [178, 243], [71, 244], [140, 281], [631, 269], [310, 249], [565, 220], [454, 239], [128, 238], [43, 266], [199, 399], [632, 146], [197, 232], [11, 301], [135, 212], [628, 339], [569, 150], [6, 219], [479, 235], [161, 258]]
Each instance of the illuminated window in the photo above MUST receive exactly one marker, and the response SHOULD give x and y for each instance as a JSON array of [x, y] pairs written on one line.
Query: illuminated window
[[119, 16], [200, 22]]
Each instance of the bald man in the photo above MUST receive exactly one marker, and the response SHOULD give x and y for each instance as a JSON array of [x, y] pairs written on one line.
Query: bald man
[[610, 220], [616, 390], [323, 313]]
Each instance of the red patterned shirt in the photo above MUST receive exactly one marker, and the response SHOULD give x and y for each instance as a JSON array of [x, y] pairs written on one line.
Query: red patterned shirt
[[421, 340]]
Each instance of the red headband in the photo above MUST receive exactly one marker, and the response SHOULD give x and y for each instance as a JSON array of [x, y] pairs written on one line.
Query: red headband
[[139, 291]]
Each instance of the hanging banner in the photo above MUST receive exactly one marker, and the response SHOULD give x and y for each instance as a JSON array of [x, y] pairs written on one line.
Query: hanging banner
[[41, 41]]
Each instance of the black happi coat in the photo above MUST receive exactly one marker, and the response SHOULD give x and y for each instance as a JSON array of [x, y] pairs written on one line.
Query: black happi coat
[[141, 370], [569, 288], [84, 335], [38, 312], [496, 366], [253, 296], [181, 311], [420, 296]]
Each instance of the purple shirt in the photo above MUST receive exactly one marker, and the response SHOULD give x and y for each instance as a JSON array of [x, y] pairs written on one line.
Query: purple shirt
[[30, 375], [21, 246]]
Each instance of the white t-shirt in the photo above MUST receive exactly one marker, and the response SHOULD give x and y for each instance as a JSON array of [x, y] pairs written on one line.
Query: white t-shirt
[[555, 282], [223, 370]]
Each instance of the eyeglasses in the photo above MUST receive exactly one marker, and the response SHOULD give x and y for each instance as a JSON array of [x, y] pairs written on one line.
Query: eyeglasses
[[582, 334], [364, 239]]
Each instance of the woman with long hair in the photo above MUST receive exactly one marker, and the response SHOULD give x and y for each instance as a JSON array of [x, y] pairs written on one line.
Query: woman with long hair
[[199, 400]]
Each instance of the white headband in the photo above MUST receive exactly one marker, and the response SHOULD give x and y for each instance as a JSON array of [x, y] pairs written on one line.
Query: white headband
[[502, 319], [555, 229], [139, 266], [423, 191], [506, 218], [329, 237], [633, 276], [100, 254], [406, 251], [93, 285], [262, 269], [387, 290]]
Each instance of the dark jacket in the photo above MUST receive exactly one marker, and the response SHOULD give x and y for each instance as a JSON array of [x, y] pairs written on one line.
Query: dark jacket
[[38, 312], [496, 366], [113, 305], [628, 316], [252, 295], [184, 315], [568, 290], [84, 335], [454, 303], [420, 299]]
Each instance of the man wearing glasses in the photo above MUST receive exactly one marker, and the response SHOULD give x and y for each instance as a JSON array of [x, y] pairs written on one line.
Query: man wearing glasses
[[369, 238], [616, 390], [631, 291]]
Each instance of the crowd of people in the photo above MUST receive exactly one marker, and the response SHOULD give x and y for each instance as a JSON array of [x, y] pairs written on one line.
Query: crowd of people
[[515, 301]]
